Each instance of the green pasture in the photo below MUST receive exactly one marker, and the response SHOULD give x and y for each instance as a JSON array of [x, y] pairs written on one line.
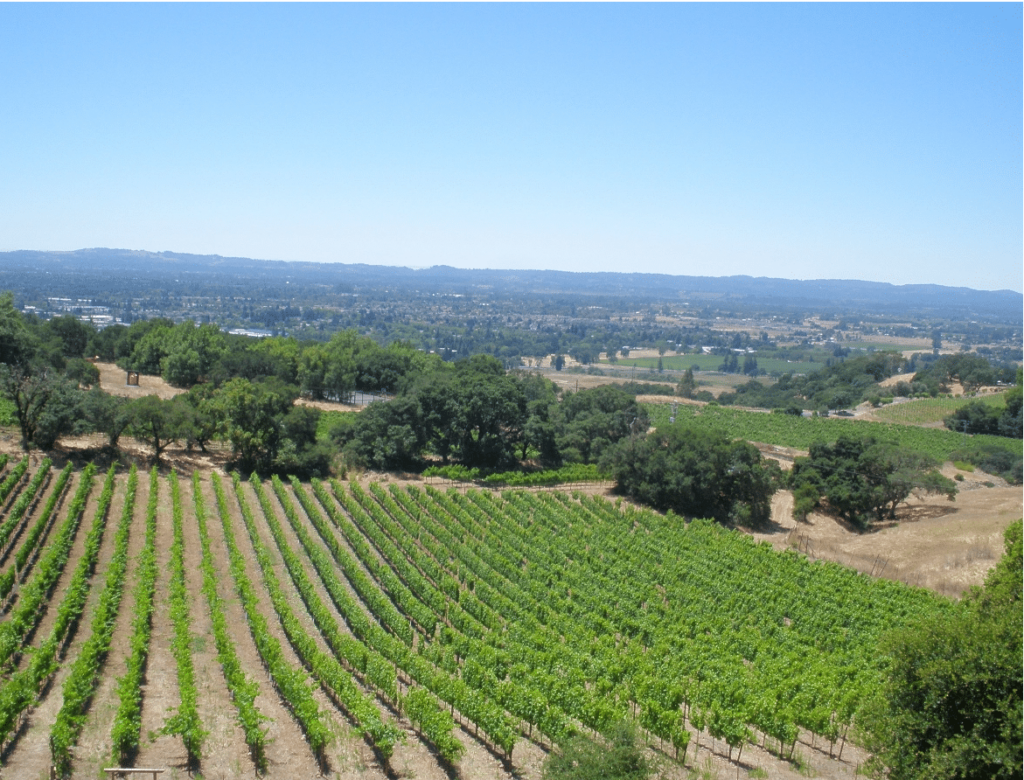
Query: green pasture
[[800, 432]]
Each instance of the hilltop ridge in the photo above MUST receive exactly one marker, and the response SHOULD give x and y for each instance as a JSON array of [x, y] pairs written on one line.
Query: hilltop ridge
[[840, 293]]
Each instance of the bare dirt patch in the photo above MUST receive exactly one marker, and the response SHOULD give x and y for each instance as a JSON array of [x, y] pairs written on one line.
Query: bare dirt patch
[[937, 544], [895, 379], [575, 382], [114, 380], [712, 381], [328, 406]]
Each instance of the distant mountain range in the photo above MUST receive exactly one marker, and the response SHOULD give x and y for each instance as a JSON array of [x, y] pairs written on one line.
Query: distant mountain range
[[771, 292]]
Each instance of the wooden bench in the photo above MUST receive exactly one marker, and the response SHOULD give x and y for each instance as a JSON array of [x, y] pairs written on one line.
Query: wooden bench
[[114, 771]]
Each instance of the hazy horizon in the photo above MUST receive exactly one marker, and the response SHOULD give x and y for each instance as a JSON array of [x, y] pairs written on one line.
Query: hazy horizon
[[408, 267]]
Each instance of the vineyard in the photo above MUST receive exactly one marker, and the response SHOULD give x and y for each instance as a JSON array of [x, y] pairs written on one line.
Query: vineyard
[[800, 432], [229, 625], [930, 411]]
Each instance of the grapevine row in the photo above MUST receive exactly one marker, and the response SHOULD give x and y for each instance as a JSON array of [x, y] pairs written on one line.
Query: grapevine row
[[505, 667], [290, 682], [528, 650], [399, 586], [442, 685], [21, 506], [377, 670], [436, 729], [244, 690], [471, 702], [185, 722], [514, 610], [127, 724], [816, 685], [489, 583], [26, 615], [23, 687], [483, 682], [375, 600], [512, 658], [326, 668], [81, 682], [11, 480], [592, 642], [801, 432], [443, 589], [545, 649], [659, 714], [377, 526], [28, 546]]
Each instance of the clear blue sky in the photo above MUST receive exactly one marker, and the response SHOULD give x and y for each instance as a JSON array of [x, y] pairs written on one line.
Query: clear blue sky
[[869, 141]]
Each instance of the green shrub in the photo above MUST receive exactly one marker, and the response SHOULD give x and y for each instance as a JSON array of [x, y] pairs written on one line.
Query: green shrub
[[616, 757], [950, 705], [7, 416]]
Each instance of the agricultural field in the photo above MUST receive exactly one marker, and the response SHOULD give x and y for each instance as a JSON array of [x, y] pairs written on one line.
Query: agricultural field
[[930, 411], [785, 430], [222, 625], [893, 345], [712, 362]]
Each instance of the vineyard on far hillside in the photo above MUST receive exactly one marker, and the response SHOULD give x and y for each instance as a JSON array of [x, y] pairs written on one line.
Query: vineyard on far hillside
[[925, 411], [786, 430], [229, 625]]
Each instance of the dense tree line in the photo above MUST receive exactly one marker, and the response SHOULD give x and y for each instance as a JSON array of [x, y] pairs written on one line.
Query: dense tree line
[[55, 391], [471, 412], [980, 417], [476, 414]]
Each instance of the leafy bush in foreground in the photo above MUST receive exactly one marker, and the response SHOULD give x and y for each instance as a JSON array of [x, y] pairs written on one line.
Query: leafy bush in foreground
[[951, 703]]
